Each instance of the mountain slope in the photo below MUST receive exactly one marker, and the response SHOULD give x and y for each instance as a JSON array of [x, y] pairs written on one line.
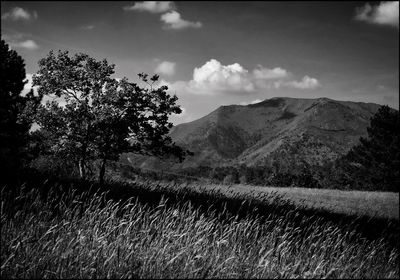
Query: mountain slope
[[291, 129]]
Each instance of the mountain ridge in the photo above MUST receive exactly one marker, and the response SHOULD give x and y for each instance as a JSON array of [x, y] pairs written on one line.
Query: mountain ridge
[[276, 129]]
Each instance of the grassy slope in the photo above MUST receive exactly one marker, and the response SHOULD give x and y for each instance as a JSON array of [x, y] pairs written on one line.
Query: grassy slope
[[86, 236], [373, 204]]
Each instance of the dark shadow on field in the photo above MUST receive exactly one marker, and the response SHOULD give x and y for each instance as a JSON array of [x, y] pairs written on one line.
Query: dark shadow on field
[[211, 203]]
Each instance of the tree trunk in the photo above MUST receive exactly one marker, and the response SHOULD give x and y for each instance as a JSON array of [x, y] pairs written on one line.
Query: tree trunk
[[82, 161], [82, 169], [102, 172]]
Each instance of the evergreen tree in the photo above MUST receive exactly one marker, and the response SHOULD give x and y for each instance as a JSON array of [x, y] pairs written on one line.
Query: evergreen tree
[[16, 111], [377, 158]]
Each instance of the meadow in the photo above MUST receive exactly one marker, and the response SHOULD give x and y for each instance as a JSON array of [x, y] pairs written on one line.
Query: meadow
[[55, 228], [362, 203]]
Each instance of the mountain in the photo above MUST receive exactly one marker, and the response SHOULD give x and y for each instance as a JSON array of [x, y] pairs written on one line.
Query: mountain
[[285, 130]]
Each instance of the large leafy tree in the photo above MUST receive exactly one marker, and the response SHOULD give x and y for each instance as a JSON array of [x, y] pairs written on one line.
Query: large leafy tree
[[99, 117], [16, 110], [377, 157]]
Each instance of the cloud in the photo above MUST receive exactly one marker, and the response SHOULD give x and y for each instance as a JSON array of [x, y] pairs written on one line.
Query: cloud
[[28, 85], [166, 68], [252, 102], [18, 13], [26, 44], [215, 78], [173, 20], [385, 13], [18, 40], [151, 6], [88, 27], [306, 83], [265, 73]]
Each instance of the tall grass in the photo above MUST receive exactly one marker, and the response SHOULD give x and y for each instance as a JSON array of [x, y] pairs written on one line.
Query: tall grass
[[87, 235]]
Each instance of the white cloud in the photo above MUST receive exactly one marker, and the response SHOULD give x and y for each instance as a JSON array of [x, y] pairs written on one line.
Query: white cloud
[[252, 102], [17, 40], [151, 6], [173, 20], [214, 78], [26, 44], [306, 83], [18, 13], [386, 13], [88, 27], [166, 68], [265, 73], [28, 85]]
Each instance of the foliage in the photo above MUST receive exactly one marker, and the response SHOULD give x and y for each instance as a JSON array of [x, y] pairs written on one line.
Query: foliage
[[228, 180], [374, 164], [378, 156], [301, 176], [102, 116], [16, 111]]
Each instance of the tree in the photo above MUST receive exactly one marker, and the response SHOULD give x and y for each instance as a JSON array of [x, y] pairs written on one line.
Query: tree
[[378, 156], [103, 117], [16, 111]]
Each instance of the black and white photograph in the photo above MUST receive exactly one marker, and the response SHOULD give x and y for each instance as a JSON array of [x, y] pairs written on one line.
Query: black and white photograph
[[199, 139]]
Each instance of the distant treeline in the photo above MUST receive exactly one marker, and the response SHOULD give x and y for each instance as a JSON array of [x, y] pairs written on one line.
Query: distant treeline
[[259, 175], [330, 176]]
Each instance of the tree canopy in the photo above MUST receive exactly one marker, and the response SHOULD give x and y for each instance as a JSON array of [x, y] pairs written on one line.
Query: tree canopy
[[378, 155], [16, 110], [100, 117]]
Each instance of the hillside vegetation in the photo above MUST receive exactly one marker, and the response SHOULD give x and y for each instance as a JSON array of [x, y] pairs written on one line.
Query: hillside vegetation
[[313, 130], [330, 157]]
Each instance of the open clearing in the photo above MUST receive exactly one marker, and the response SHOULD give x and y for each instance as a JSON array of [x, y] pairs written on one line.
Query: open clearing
[[372, 204]]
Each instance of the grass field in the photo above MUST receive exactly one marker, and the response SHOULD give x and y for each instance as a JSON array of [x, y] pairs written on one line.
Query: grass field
[[372, 204], [78, 234]]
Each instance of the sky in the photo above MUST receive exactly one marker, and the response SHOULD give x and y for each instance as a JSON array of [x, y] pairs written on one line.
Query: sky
[[221, 53]]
